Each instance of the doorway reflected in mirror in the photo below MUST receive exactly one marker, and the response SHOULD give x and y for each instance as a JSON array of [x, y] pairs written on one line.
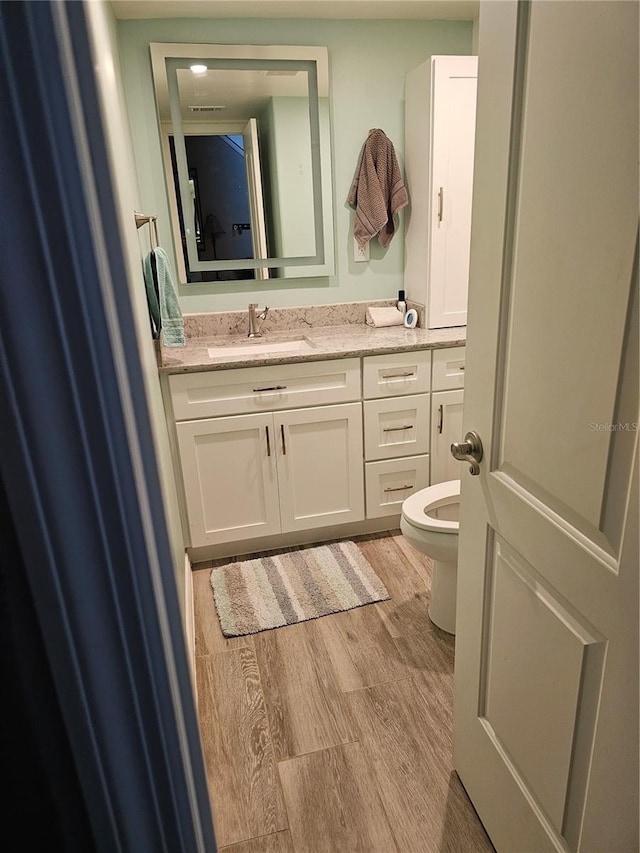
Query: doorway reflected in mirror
[[217, 174]]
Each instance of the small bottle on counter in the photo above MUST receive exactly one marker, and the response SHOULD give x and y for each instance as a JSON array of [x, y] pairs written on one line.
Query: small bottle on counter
[[402, 305]]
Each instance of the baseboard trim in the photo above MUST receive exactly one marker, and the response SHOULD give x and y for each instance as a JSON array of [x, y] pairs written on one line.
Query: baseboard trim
[[289, 540]]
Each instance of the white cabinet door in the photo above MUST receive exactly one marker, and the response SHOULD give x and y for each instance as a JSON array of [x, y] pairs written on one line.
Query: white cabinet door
[[454, 120], [440, 107], [229, 472], [446, 427], [320, 472]]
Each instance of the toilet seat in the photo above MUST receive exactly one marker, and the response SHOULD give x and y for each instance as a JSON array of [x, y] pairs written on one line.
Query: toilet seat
[[415, 506]]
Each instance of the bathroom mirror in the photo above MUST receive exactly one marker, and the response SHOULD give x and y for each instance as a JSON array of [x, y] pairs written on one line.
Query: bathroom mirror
[[246, 149]]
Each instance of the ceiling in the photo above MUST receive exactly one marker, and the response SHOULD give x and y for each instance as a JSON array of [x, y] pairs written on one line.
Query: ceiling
[[242, 94], [457, 10]]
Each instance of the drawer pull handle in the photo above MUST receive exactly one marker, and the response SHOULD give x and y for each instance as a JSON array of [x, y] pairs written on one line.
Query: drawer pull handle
[[284, 444], [397, 488], [266, 429], [397, 375], [395, 429], [462, 367], [440, 418], [270, 388]]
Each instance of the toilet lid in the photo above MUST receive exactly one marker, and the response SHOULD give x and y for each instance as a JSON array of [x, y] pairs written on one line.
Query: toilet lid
[[413, 508]]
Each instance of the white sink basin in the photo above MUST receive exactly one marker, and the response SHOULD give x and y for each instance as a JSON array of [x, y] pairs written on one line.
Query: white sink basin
[[261, 347]]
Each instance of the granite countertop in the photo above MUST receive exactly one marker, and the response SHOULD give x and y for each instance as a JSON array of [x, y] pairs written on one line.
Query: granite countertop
[[320, 343]]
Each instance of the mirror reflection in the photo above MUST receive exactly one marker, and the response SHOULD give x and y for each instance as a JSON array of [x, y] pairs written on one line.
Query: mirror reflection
[[242, 140]]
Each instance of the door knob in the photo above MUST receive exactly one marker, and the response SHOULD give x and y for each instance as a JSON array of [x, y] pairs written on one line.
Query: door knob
[[469, 450]]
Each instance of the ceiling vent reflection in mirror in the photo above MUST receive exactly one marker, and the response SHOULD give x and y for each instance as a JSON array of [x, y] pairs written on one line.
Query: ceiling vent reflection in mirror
[[247, 159]]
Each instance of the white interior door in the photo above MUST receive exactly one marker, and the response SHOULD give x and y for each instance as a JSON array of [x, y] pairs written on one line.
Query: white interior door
[[546, 693], [256, 199]]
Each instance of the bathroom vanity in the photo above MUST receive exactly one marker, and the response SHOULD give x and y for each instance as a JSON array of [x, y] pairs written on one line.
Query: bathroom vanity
[[308, 434]]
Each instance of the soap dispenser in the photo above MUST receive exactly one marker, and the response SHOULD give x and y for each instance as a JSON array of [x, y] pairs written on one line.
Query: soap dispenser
[[401, 304]]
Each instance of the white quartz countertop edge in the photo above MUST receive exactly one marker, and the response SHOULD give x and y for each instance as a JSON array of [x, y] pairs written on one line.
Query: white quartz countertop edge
[[325, 342]]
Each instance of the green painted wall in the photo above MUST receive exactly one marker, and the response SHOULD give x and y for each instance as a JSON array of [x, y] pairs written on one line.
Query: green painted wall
[[367, 64]]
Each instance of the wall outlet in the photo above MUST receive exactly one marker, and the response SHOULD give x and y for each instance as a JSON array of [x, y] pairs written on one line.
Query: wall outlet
[[360, 253]]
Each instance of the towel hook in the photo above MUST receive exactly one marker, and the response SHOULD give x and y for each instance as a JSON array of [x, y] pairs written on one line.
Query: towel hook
[[150, 220]]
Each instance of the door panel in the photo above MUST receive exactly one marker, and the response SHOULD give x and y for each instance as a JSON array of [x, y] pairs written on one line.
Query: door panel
[[231, 489], [320, 466], [574, 235], [454, 114], [543, 668], [546, 694], [446, 427]]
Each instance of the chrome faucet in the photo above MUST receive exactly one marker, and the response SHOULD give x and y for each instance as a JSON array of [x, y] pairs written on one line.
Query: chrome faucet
[[256, 320]]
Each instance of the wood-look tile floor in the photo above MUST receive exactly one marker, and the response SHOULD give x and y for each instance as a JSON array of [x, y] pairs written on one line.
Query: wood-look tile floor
[[335, 735]]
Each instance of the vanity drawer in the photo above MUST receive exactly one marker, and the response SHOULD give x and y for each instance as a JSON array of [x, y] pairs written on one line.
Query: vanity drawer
[[396, 374], [396, 426], [389, 483], [260, 389], [447, 372]]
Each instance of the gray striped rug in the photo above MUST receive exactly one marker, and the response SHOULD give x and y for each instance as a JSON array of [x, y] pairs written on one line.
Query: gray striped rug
[[282, 589]]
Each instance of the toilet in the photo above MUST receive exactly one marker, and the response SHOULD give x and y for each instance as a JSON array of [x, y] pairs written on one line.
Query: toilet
[[430, 522]]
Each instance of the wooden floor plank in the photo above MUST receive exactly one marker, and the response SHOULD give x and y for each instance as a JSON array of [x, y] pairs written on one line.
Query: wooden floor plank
[[407, 742], [333, 804], [279, 842], [305, 706], [361, 650], [418, 561], [381, 675], [209, 637], [244, 786], [407, 611], [429, 652]]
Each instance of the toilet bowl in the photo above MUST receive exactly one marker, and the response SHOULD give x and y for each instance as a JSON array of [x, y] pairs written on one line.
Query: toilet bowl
[[430, 522]]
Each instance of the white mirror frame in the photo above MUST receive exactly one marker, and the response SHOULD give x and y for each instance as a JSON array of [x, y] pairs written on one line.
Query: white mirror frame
[[316, 59]]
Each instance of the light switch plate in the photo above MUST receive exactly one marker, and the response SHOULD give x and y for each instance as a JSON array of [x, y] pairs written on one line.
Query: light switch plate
[[360, 253]]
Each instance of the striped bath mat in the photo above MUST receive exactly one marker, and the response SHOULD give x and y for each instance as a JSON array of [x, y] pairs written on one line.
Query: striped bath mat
[[282, 589]]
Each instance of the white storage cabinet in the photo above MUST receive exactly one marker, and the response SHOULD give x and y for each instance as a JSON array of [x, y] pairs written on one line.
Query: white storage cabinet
[[275, 471], [440, 110]]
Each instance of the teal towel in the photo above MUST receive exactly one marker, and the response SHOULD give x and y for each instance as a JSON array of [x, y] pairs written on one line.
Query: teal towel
[[170, 315]]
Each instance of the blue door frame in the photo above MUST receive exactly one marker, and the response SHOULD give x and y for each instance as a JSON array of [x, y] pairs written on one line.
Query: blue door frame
[[103, 601]]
